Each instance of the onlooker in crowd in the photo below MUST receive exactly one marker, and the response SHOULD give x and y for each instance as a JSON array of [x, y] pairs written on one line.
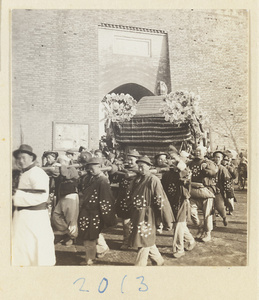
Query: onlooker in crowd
[[149, 207], [32, 238], [224, 187], [242, 171], [227, 163]]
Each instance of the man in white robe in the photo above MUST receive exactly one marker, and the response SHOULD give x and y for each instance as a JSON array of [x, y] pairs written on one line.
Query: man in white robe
[[32, 235]]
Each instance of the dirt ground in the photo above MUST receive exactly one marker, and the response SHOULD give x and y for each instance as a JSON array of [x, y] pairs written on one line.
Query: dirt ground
[[228, 246]]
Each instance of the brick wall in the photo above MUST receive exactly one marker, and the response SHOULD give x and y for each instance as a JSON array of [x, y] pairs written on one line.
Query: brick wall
[[55, 68]]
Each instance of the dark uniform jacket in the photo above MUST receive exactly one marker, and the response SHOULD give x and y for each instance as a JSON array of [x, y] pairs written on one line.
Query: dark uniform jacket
[[97, 209], [122, 203], [224, 182], [176, 184]]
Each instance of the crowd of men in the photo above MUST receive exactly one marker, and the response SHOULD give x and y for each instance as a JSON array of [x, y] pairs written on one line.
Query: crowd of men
[[69, 199]]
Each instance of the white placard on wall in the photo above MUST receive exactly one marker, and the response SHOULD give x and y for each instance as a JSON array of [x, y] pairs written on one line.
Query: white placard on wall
[[70, 135]]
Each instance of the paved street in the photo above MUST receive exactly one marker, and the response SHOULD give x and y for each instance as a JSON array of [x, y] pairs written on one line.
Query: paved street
[[227, 248]]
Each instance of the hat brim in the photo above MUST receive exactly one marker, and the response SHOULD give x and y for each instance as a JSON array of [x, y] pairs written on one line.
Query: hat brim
[[45, 154], [18, 151], [163, 153], [144, 161], [223, 154]]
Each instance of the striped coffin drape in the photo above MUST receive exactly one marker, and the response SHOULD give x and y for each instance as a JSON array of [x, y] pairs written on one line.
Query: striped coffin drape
[[150, 134]]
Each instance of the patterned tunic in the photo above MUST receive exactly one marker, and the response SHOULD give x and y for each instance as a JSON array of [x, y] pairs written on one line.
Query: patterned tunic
[[97, 210], [205, 176], [176, 185], [149, 207], [122, 205], [224, 183], [199, 174]]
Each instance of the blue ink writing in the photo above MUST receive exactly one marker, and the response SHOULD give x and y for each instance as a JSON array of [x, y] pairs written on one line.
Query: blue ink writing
[[81, 285], [122, 284], [106, 280], [142, 282]]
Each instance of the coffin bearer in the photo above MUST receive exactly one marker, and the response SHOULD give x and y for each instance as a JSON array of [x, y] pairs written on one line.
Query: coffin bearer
[[65, 214], [176, 184], [122, 207], [108, 168], [149, 207], [50, 167], [202, 191], [51, 158], [97, 211], [70, 154], [161, 164], [32, 238]]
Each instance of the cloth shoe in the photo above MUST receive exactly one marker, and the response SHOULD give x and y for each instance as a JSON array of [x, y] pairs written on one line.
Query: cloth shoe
[[89, 262], [207, 237], [190, 246], [178, 254], [102, 254]]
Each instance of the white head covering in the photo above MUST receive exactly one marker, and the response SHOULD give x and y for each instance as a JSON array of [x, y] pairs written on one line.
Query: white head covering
[[184, 154], [202, 148]]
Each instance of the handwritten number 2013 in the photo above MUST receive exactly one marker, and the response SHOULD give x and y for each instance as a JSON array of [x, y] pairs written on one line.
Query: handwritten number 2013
[[104, 284]]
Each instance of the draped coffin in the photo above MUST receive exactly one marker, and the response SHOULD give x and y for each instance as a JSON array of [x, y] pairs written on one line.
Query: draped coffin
[[147, 131]]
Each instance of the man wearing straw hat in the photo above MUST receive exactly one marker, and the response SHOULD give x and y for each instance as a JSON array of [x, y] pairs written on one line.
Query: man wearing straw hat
[[32, 236]]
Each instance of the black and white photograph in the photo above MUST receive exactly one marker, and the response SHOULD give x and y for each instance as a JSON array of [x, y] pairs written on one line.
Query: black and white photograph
[[130, 137]]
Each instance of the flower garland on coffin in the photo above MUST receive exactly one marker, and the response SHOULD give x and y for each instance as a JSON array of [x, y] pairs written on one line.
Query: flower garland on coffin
[[118, 108], [182, 107]]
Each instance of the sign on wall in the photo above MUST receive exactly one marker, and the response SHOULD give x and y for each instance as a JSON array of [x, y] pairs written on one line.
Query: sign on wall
[[70, 135]]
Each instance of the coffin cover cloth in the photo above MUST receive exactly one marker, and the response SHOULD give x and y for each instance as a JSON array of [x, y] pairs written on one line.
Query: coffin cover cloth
[[147, 131]]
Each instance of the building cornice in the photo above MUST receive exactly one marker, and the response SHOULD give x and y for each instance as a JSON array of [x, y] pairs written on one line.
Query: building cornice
[[131, 28]]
